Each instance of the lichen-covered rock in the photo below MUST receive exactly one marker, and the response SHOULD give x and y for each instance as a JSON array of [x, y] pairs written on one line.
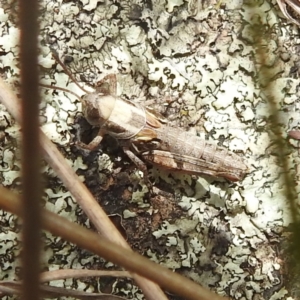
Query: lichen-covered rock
[[198, 64]]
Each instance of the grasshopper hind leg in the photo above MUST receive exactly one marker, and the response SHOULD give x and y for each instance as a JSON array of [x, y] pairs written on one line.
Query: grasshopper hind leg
[[154, 191], [140, 165]]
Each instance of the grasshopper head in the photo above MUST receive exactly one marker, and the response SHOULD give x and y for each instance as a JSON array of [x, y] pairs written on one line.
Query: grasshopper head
[[97, 108]]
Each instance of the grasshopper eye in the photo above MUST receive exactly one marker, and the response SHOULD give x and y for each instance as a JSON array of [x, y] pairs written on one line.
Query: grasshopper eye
[[97, 108], [92, 115]]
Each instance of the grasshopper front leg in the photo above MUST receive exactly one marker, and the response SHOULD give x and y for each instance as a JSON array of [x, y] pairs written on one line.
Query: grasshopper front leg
[[93, 144]]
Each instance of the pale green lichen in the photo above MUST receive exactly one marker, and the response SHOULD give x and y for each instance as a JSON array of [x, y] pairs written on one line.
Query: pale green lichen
[[205, 54]]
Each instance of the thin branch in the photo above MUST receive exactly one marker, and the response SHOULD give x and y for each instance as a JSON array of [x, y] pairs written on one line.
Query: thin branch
[[14, 288], [266, 81], [30, 149], [79, 273], [110, 251], [82, 195]]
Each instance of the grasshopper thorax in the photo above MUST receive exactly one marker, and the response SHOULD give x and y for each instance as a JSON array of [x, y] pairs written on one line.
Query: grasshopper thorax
[[97, 108], [118, 117]]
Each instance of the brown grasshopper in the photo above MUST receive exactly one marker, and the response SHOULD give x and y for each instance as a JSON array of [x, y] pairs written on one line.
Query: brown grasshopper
[[141, 131]]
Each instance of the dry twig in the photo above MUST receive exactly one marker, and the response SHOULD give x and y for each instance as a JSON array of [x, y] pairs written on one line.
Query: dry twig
[[79, 191], [110, 251]]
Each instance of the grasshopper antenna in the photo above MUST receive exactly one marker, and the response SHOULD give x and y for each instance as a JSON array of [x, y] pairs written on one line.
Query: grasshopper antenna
[[55, 56], [67, 71], [61, 89]]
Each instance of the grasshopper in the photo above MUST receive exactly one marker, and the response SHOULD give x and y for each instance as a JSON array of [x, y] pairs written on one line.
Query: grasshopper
[[143, 133]]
